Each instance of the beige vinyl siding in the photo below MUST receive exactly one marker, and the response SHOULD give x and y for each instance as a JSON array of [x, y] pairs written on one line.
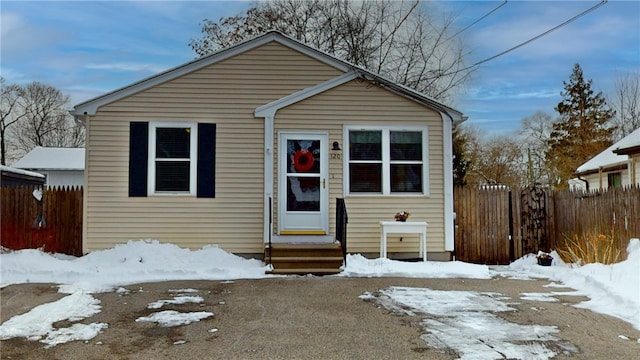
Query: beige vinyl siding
[[226, 94], [362, 103]]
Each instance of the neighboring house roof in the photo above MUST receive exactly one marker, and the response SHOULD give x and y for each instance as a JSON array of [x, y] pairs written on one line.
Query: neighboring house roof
[[9, 169], [629, 145], [49, 158], [10, 176], [90, 107], [611, 157]]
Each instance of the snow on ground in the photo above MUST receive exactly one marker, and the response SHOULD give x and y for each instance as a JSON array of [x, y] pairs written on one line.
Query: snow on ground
[[464, 321], [170, 318], [612, 290]]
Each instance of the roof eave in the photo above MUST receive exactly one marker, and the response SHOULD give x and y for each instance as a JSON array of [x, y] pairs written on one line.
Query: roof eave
[[608, 168], [627, 150]]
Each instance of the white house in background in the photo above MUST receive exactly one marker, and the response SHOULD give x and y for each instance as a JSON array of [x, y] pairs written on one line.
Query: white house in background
[[617, 166], [61, 166]]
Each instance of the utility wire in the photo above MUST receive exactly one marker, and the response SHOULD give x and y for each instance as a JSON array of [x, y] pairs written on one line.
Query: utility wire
[[477, 21], [602, 2]]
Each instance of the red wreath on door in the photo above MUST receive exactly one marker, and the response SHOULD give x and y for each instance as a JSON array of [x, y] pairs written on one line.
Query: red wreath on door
[[303, 160]]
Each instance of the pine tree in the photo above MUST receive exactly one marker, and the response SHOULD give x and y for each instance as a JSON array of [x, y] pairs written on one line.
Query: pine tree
[[460, 159], [582, 130]]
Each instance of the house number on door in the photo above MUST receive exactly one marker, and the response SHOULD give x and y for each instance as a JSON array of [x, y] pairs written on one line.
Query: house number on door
[[336, 156]]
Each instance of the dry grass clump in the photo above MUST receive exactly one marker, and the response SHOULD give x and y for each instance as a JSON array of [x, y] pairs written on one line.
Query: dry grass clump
[[591, 247]]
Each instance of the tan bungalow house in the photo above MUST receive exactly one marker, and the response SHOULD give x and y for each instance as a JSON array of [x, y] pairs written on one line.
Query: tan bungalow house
[[258, 144], [616, 166]]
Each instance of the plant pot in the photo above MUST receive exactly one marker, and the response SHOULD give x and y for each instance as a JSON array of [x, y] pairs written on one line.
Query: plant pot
[[545, 261]]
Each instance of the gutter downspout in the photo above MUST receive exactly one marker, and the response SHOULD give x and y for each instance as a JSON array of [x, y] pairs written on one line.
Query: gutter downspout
[[586, 183], [449, 215], [268, 175]]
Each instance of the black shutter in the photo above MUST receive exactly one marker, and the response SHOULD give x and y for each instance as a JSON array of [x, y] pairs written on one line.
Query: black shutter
[[206, 160], [138, 154]]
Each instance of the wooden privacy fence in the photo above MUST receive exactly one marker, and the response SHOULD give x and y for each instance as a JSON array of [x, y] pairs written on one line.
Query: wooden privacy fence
[[53, 224], [613, 212], [483, 225], [496, 225]]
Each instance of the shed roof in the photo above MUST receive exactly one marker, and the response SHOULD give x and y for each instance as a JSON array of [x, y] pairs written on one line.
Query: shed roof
[[51, 158]]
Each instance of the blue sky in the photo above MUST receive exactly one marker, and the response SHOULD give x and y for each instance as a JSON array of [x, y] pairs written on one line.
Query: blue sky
[[87, 48]]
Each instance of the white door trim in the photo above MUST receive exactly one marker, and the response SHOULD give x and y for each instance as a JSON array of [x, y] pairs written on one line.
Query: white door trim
[[303, 224]]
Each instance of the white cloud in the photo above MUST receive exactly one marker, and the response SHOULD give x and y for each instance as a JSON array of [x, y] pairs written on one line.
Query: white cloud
[[123, 66], [19, 36]]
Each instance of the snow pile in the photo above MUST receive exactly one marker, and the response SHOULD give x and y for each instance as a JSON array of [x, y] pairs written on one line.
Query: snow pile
[[612, 289], [134, 262], [359, 266]]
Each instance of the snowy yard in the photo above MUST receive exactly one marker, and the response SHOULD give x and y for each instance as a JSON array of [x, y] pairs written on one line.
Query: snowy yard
[[446, 314]]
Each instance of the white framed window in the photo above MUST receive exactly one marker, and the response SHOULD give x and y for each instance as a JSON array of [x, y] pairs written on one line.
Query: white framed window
[[172, 164], [386, 160]]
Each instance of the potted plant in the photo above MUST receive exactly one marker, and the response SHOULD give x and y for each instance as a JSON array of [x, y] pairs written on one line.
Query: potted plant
[[544, 258], [402, 216]]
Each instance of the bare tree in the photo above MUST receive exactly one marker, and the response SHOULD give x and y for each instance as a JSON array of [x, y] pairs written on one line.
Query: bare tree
[[10, 101], [45, 120], [396, 39], [626, 103], [497, 160], [535, 132]]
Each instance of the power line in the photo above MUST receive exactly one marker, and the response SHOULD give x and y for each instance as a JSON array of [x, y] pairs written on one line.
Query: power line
[[480, 19], [602, 2]]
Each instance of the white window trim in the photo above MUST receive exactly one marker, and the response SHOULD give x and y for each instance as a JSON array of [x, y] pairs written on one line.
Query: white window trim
[[193, 159], [386, 159]]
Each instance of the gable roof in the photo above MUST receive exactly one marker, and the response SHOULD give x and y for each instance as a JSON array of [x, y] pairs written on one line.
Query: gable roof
[[50, 158], [612, 156], [91, 106]]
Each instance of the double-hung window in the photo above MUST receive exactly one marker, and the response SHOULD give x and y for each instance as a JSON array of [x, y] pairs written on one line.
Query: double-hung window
[[386, 160], [172, 158]]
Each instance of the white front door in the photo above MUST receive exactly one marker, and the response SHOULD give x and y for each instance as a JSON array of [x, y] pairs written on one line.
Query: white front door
[[303, 190]]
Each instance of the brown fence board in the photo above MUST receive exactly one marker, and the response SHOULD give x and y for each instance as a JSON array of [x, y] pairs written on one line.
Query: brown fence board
[[485, 233], [616, 211], [482, 225], [62, 211]]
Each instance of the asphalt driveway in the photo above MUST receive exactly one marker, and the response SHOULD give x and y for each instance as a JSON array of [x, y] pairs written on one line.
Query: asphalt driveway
[[302, 318]]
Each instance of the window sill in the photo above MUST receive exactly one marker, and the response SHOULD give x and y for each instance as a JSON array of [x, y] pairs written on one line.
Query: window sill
[[387, 195], [172, 194]]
